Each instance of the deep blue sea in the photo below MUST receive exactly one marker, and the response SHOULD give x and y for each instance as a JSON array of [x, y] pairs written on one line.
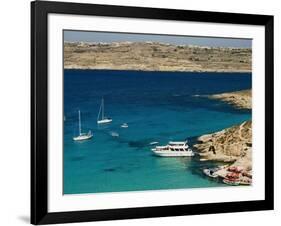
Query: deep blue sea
[[158, 107]]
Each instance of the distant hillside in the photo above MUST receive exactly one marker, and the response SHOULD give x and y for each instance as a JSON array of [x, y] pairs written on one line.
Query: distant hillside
[[155, 57]]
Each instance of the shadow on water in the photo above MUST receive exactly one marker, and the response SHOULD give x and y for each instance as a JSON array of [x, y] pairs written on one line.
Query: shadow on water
[[110, 169], [77, 158], [127, 169], [139, 143]]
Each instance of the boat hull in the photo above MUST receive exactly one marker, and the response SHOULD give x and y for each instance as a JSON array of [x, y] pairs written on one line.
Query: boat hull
[[173, 153], [82, 137], [231, 182], [208, 173], [104, 121]]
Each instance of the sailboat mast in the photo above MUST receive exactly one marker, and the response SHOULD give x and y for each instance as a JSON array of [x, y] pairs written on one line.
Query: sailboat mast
[[99, 113], [79, 123], [102, 108]]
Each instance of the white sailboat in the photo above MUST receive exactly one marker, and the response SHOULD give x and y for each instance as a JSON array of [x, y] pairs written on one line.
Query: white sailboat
[[103, 119], [82, 136]]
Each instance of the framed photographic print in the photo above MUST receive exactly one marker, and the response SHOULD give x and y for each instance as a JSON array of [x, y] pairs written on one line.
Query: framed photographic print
[[145, 112]]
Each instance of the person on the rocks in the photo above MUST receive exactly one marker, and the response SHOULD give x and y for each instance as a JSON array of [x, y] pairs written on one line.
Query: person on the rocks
[[212, 148]]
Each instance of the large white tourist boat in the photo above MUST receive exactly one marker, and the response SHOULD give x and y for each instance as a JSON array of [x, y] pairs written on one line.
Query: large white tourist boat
[[103, 119], [82, 136], [173, 149]]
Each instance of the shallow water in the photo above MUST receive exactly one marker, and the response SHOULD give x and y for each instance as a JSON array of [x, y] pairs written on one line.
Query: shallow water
[[157, 106]]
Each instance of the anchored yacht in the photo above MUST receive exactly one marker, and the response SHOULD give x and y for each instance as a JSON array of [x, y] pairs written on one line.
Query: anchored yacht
[[173, 149], [82, 136], [103, 119]]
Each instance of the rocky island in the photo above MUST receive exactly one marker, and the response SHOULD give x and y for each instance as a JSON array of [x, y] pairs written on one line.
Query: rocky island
[[155, 56]]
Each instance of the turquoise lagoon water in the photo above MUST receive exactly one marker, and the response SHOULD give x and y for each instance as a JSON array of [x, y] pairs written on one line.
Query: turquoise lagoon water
[[158, 107]]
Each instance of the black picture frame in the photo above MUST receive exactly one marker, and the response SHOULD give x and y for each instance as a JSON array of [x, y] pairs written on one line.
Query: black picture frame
[[39, 112]]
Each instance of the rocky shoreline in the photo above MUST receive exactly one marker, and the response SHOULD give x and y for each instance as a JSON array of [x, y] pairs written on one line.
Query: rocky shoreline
[[154, 56], [231, 145], [240, 99]]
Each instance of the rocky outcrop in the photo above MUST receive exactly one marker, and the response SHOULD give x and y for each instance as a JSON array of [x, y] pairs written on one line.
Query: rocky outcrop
[[153, 56], [233, 145], [240, 99]]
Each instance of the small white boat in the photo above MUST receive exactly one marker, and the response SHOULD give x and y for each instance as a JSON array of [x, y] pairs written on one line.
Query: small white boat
[[82, 136], [153, 143], [124, 125], [210, 173], [103, 119], [114, 134], [173, 149]]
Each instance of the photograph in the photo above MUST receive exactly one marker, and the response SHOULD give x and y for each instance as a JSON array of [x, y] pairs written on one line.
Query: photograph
[[144, 112], [141, 112]]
